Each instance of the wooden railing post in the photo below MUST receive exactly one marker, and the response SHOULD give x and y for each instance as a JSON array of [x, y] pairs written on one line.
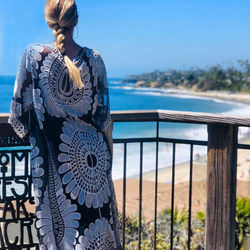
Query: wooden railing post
[[221, 186]]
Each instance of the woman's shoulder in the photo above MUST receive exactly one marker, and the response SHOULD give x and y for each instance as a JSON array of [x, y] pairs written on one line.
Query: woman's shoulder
[[93, 53], [40, 48], [95, 59], [35, 47], [35, 51]]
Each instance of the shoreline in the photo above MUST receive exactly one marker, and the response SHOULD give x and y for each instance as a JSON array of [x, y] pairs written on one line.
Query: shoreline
[[198, 165], [243, 98], [181, 186], [238, 97]]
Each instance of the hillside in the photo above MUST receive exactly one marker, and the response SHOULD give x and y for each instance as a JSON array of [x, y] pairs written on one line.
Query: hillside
[[232, 78]]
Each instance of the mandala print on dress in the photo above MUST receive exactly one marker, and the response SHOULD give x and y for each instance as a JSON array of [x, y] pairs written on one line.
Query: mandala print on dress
[[107, 123], [34, 56], [16, 111], [58, 92], [19, 128], [27, 97], [99, 236], [95, 104], [85, 161], [29, 62], [21, 76], [37, 170], [95, 61], [38, 106], [57, 220]]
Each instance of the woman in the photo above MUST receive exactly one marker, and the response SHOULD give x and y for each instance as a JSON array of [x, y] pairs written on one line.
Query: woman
[[61, 100]]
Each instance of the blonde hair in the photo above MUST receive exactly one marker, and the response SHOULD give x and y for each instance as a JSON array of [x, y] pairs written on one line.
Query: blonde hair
[[61, 16]]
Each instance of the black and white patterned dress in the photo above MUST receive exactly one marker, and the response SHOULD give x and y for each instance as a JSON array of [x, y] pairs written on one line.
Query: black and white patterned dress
[[71, 157]]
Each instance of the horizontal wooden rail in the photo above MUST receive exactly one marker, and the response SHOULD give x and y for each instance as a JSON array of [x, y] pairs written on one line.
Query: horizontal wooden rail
[[169, 116], [178, 116]]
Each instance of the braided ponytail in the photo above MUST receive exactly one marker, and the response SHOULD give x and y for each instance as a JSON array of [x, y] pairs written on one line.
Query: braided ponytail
[[62, 15]]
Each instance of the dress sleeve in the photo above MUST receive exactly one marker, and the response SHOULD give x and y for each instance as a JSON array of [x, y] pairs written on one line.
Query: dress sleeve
[[21, 103], [102, 117]]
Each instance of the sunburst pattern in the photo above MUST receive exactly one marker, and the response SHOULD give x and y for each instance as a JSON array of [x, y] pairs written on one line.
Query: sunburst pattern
[[99, 236], [33, 57], [58, 92], [37, 169], [85, 161], [96, 62], [58, 218]]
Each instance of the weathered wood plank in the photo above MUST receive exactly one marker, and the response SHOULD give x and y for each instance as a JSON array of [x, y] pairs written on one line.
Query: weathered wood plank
[[203, 118], [169, 116], [178, 116], [4, 117], [221, 187]]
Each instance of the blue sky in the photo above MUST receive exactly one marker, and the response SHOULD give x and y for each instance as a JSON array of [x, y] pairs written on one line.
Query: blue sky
[[135, 36]]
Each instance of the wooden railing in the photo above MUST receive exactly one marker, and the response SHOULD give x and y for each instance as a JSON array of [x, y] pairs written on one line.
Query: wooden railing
[[221, 168]]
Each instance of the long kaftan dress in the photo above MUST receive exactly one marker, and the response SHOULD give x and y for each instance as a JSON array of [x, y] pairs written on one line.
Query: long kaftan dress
[[71, 157]]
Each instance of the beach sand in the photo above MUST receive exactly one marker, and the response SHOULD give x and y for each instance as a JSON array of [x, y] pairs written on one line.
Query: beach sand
[[241, 97], [181, 199], [181, 186], [226, 96]]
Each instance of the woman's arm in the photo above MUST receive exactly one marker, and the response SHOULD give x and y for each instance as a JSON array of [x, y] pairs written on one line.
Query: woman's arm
[[21, 103], [101, 115]]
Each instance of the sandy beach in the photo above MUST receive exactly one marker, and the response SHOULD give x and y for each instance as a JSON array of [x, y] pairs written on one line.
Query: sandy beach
[[226, 96], [181, 186]]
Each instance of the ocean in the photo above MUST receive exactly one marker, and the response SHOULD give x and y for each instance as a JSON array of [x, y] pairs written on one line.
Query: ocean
[[125, 96]]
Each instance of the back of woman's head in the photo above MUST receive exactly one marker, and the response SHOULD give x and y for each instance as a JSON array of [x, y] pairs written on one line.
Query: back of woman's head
[[62, 17]]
